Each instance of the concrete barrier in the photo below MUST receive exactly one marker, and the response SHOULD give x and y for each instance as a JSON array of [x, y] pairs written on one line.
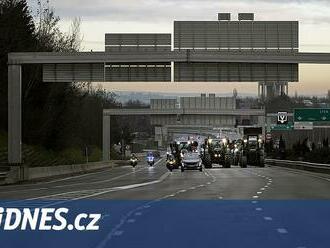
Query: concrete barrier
[[314, 167], [22, 173]]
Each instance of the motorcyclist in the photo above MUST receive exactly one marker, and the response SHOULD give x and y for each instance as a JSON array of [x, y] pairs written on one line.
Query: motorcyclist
[[150, 158], [133, 159], [133, 156]]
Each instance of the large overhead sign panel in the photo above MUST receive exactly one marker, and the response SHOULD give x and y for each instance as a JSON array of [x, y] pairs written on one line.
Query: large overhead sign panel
[[236, 35], [137, 72], [235, 72], [137, 42], [242, 37], [59, 73]]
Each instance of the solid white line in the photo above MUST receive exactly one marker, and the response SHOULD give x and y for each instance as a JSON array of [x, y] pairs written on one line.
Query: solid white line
[[268, 218], [258, 209]]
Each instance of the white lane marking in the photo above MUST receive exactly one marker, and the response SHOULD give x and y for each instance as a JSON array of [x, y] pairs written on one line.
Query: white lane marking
[[262, 189], [255, 197], [138, 213], [118, 233], [182, 191], [130, 220], [282, 230], [193, 188], [208, 183], [266, 186], [259, 192], [146, 206], [268, 218], [220, 197], [254, 202], [89, 194], [110, 179], [258, 209]]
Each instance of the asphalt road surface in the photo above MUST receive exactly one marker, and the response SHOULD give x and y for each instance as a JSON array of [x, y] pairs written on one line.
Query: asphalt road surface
[[152, 219], [149, 183]]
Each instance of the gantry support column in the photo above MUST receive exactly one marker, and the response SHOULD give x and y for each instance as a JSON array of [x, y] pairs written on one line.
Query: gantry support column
[[106, 138], [14, 114]]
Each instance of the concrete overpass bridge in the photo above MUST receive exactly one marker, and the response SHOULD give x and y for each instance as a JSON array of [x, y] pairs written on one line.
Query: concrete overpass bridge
[[192, 115]]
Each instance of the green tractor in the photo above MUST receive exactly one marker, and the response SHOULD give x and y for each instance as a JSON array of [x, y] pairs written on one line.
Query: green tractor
[[216, 151], [252, 151]]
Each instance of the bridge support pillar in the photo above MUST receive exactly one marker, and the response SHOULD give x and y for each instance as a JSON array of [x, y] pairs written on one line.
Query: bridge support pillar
[[266, 90], [106, 138], [14, 114]]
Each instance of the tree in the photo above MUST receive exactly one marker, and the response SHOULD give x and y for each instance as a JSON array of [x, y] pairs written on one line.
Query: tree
[[55, 115], [17, 31]]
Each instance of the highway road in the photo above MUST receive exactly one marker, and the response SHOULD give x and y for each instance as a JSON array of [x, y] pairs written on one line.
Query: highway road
[[206, 208], [149, 183]]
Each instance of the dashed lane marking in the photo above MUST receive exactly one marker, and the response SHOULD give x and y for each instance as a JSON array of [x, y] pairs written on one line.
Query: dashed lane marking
[[268, 218], [282, 230], [118, 233]]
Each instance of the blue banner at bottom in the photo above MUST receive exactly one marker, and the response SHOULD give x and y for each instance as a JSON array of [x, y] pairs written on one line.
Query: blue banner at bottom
[[165, 224]]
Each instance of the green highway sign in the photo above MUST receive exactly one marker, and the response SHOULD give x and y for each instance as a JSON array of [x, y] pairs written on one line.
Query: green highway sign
[[282, 127], [312, 114]]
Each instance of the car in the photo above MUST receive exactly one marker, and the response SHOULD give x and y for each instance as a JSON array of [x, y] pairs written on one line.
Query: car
[[191, 160]]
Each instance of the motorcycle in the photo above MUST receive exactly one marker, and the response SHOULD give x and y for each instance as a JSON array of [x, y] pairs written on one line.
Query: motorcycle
[[133, 162], [151, 160], [171, 163]]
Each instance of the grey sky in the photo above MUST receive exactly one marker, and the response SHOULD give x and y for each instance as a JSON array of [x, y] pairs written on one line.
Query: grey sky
[[102, 16]]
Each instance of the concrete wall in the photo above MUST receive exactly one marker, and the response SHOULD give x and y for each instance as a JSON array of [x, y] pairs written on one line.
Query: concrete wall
[[17, 174], [210, 102]]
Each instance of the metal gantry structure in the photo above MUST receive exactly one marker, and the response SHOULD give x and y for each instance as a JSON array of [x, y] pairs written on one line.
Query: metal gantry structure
[[244, 50]]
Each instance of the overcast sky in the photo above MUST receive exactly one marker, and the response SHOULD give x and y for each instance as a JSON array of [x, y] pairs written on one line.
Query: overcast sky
[[105, 16]]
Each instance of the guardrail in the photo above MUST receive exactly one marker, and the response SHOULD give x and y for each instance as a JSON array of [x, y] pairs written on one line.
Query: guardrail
[[314, 167]]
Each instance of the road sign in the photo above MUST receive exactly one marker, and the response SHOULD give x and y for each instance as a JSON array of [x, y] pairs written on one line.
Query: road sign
[[306, 125], [282, 118], [311, 114], [281, 127]]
